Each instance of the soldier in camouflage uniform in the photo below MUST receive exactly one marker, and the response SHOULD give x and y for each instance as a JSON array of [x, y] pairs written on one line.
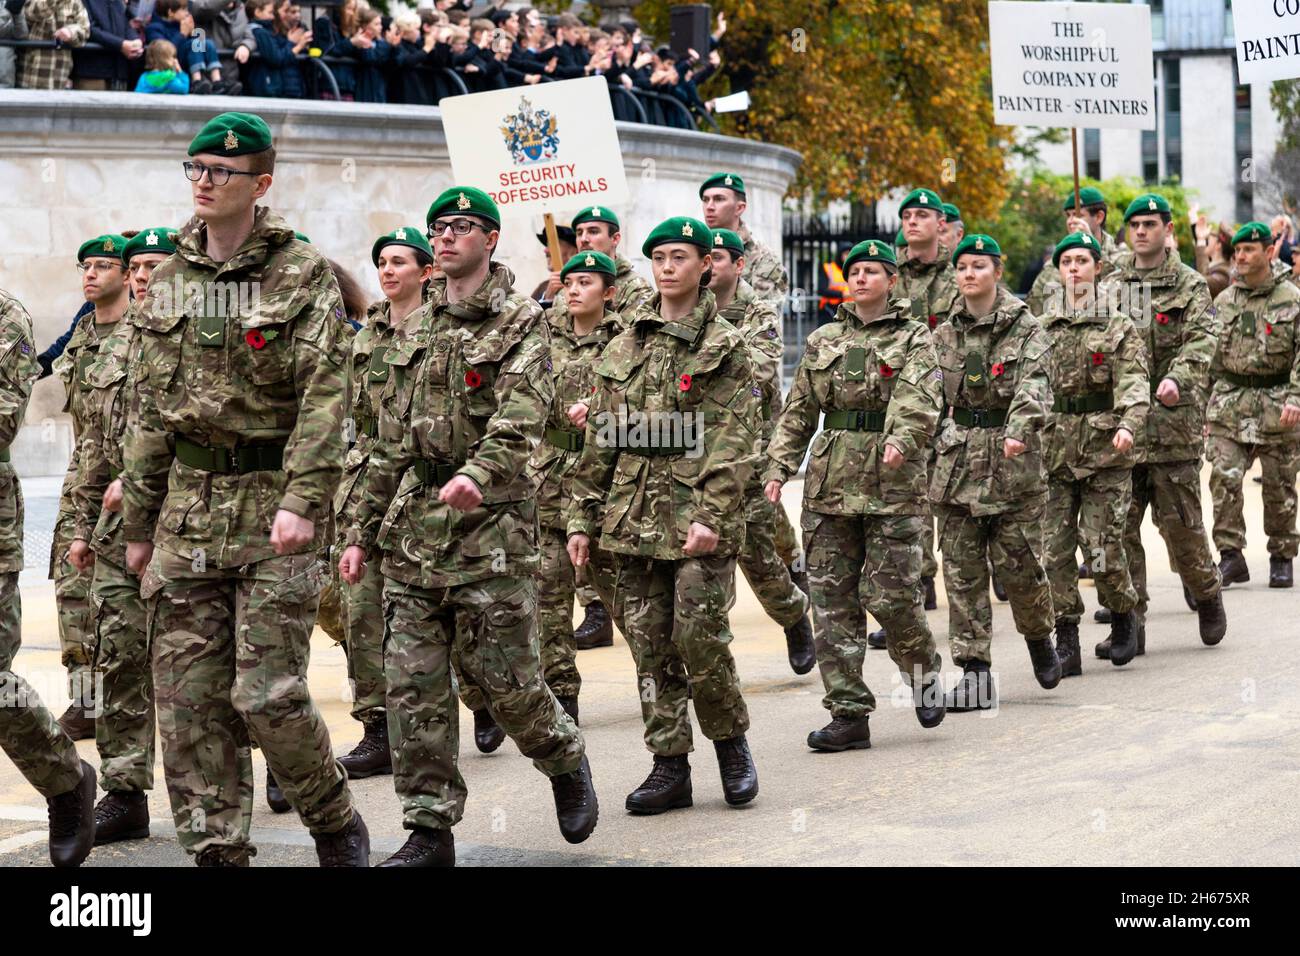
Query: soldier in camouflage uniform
[[987, 482], [1254, 407], [29, 734], [449, 502], [103, 280], [1092, 220], [671, 439], [722, 196], [874, 375], [1097, 367], [1170, 303], [775, 584], [233, 454], [124, 730]]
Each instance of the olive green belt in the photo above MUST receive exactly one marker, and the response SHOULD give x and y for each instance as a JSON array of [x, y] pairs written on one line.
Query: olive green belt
[[1082, 404], [433, 472], [1256, 381], [570, 439], [855, 420], [230, 461], [980, 417], [4, 454]]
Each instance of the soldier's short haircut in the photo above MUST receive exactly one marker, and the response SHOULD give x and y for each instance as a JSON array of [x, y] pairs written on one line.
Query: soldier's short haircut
[[263, 162], [1094, 207]]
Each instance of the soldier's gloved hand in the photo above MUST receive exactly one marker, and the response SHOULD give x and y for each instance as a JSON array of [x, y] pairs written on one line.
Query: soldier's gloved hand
[[113, 496], [1011, 448], [352, 566], [291, 533], [579, 548], [772, 490], [700, 539], [1123, 440], [1167, 392], [138, 555], [577, 413], [461, 493], [1290, 416], [893, 457], [80, 554]]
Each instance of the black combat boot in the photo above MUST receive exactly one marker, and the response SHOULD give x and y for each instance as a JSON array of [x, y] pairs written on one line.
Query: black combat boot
[[931, 599], [667, 788], [487, 735], [974, 690], [1085, 572], [739, 775], [1043, 659], [1213, 620], [77, 723], [221, 856], [570, 705], [1232, 566], [876, 640], [575, 803], [1102, 650], [1189, 599], [275, 798], [348, 847], [1101, 615], [596, 629], [1067, 648], [842, 733], [1123, 637], [122, 815], [425, 847], [999, 591], [371, 756], [799, 646], [72, 821], [1279, 572], [928, 701]]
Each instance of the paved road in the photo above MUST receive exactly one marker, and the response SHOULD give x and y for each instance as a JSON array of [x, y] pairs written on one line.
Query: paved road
[[1186, 756]]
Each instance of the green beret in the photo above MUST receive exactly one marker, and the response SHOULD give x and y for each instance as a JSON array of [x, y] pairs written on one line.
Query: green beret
[[232, 134], [1088, 196], [1252, 232], [590, 262], [726, 239], [951, 212], [1076, 240], [302, 237], [725, 180], [1146, 203], [467, 201], [900, 240], [678, 229], [157, 239], [922, 199], [871, 250], [108, 246], [977, 244], [595, 214], [401, 236]]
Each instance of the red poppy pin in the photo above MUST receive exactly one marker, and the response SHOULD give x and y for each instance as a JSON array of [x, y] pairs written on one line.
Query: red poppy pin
[[684, 382], [473, 379], [1162, 318], [934, 320], [255, 338], [886, 371], [998, 369], [1098, 358], [1268, 328]]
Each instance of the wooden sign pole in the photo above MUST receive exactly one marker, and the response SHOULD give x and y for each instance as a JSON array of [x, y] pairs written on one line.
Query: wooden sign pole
[[553, 241], [1074, 151]]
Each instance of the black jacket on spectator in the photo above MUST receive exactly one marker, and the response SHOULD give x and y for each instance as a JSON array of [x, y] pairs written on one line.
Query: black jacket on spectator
[[573, 62], [370, 69], [326, 36], [109, 27], [412, 76], [275, 70], [523, 62]]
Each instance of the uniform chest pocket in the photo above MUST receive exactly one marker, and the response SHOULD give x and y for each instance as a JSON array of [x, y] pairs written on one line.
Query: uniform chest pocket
[[1003, 373], [264, 355], [479, 382], [1279, 334], [884, 366], [396, 393], [1098, 357], [1167, 327]]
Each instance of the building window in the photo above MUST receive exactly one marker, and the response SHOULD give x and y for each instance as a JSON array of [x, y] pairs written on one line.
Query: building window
[[1173, 120], [1229, 35], [1241, 134], [1150, 157], [1157, 19]]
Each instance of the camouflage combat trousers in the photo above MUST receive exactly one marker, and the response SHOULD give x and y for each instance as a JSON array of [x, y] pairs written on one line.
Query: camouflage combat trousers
[[124, 724], [29, 734], [860, 563], [491, 625], [1090, 512], [1173, 491], [764, 564], [75, 612], [556, 589], [1012, 542], [1229, 461], [363, 622], [230, 654], [675, 622]]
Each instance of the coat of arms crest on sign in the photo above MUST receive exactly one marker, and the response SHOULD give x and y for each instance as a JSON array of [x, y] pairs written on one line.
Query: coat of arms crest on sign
[[530, 135]]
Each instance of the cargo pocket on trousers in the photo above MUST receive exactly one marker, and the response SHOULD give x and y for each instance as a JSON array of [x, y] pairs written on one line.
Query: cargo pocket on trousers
[[507, 641]]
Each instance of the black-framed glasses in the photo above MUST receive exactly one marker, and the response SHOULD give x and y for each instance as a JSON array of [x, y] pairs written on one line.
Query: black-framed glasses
[[219, 175], [458, 227]]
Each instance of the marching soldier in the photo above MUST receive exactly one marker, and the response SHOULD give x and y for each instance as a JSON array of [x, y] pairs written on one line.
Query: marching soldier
[[1090, 219], [450, 504], [1097, 367], [1254, 407], [233, 453], [722, 196], [29, 734], [873, 373], [767, 557], [671, 437], [987, 483], [1178, 322]]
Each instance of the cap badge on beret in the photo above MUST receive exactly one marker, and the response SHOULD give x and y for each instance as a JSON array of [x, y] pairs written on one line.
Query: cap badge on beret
[[108, 246], [726, 181], [590, 260], [717, 238], [232, 141], [595, 211], [1087, 239], [400, 234], [687, 230], [922, 199], [151, 239], [1151, 204], [979, 242], [871, 249], [462, 202]]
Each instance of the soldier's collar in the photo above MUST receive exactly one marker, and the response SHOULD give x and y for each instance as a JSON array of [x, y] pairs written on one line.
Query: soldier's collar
[[688, 327]]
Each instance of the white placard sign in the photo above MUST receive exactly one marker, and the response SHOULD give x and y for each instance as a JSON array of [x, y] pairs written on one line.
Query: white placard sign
[[1072, 64], [1268, 39], [538, 149]]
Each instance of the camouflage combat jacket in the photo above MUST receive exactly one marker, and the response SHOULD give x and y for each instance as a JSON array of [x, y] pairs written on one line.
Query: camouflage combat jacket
[[18, 373], [760, 324], [671, 436], [995, 387], [763, 271], [1096, 362], [930, 288], [469, 393], [1047, 285], [248, 364], [1256, 365], [879, 384], [71, 367], [1178, 323]]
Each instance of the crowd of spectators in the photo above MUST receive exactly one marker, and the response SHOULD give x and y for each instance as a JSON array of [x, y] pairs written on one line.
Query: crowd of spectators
[[264, 48]]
